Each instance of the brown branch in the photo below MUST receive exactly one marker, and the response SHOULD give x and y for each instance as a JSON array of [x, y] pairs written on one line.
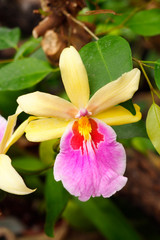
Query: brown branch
[[68, 15], [47, 23]]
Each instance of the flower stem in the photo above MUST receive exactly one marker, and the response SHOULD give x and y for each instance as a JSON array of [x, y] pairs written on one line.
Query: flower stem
[[141, 64], [149, 83], [152, 62], [146, 65]]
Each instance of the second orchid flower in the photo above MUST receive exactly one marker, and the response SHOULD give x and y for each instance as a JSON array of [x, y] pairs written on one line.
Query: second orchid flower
[[10, 180]]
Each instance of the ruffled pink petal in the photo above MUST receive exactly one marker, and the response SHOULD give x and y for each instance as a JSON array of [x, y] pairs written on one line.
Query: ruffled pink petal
[[92, 167], [3, 125]]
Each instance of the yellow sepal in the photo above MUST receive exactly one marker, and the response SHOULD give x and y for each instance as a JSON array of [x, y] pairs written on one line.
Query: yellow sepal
[[10, 180], [119, 115]]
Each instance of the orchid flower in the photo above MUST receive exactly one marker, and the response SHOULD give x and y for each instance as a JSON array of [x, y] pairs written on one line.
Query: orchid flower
[[90, 162], [10, 180]]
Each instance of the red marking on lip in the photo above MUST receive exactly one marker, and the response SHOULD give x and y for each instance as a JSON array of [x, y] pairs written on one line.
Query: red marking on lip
[[77, 140], [95, 135]]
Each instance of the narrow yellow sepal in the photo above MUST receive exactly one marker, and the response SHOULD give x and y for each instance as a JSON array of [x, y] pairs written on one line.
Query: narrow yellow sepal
[[8, 132], [18, 133], [119, 115]]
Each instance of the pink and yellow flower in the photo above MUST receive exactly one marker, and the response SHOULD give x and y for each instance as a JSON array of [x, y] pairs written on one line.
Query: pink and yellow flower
[[91, 162], [10, 180]]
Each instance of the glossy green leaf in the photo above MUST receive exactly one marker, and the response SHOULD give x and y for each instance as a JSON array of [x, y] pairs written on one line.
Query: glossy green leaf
[[127, 131], [9, 37], [56, 199], [23, 74], [145, 23], [106, 60], [153, 126], [157, 73], [108, 219], [27, 48]]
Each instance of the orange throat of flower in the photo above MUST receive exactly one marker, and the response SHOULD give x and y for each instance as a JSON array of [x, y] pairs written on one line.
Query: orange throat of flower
[[84, 127]]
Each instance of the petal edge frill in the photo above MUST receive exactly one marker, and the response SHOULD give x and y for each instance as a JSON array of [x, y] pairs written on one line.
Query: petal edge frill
[[92, 168], [10, 180]]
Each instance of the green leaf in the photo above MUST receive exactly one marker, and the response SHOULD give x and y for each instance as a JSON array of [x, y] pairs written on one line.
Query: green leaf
[[106, 60], [9, 37], [76, 218], [39, 54], [56, 199], [48, 151], [29, 165], [23, 74], [108, 219], [145, 23], [127, 131], [142, 144], [27, 48], [8, 105], [153, 125], [115, 5], [35, 182], [157, 73], [129, 105]]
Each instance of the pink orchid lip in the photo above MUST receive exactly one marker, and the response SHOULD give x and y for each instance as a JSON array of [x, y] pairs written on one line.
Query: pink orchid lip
[[90, 167], [82, 113]]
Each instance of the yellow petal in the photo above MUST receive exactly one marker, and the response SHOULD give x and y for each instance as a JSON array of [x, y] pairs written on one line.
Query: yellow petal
[[46, 105], [17, 134], [74, 77], [10, 180], [9, 130], [45, 129], [18, 110], [115, 92], [118, 115]]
